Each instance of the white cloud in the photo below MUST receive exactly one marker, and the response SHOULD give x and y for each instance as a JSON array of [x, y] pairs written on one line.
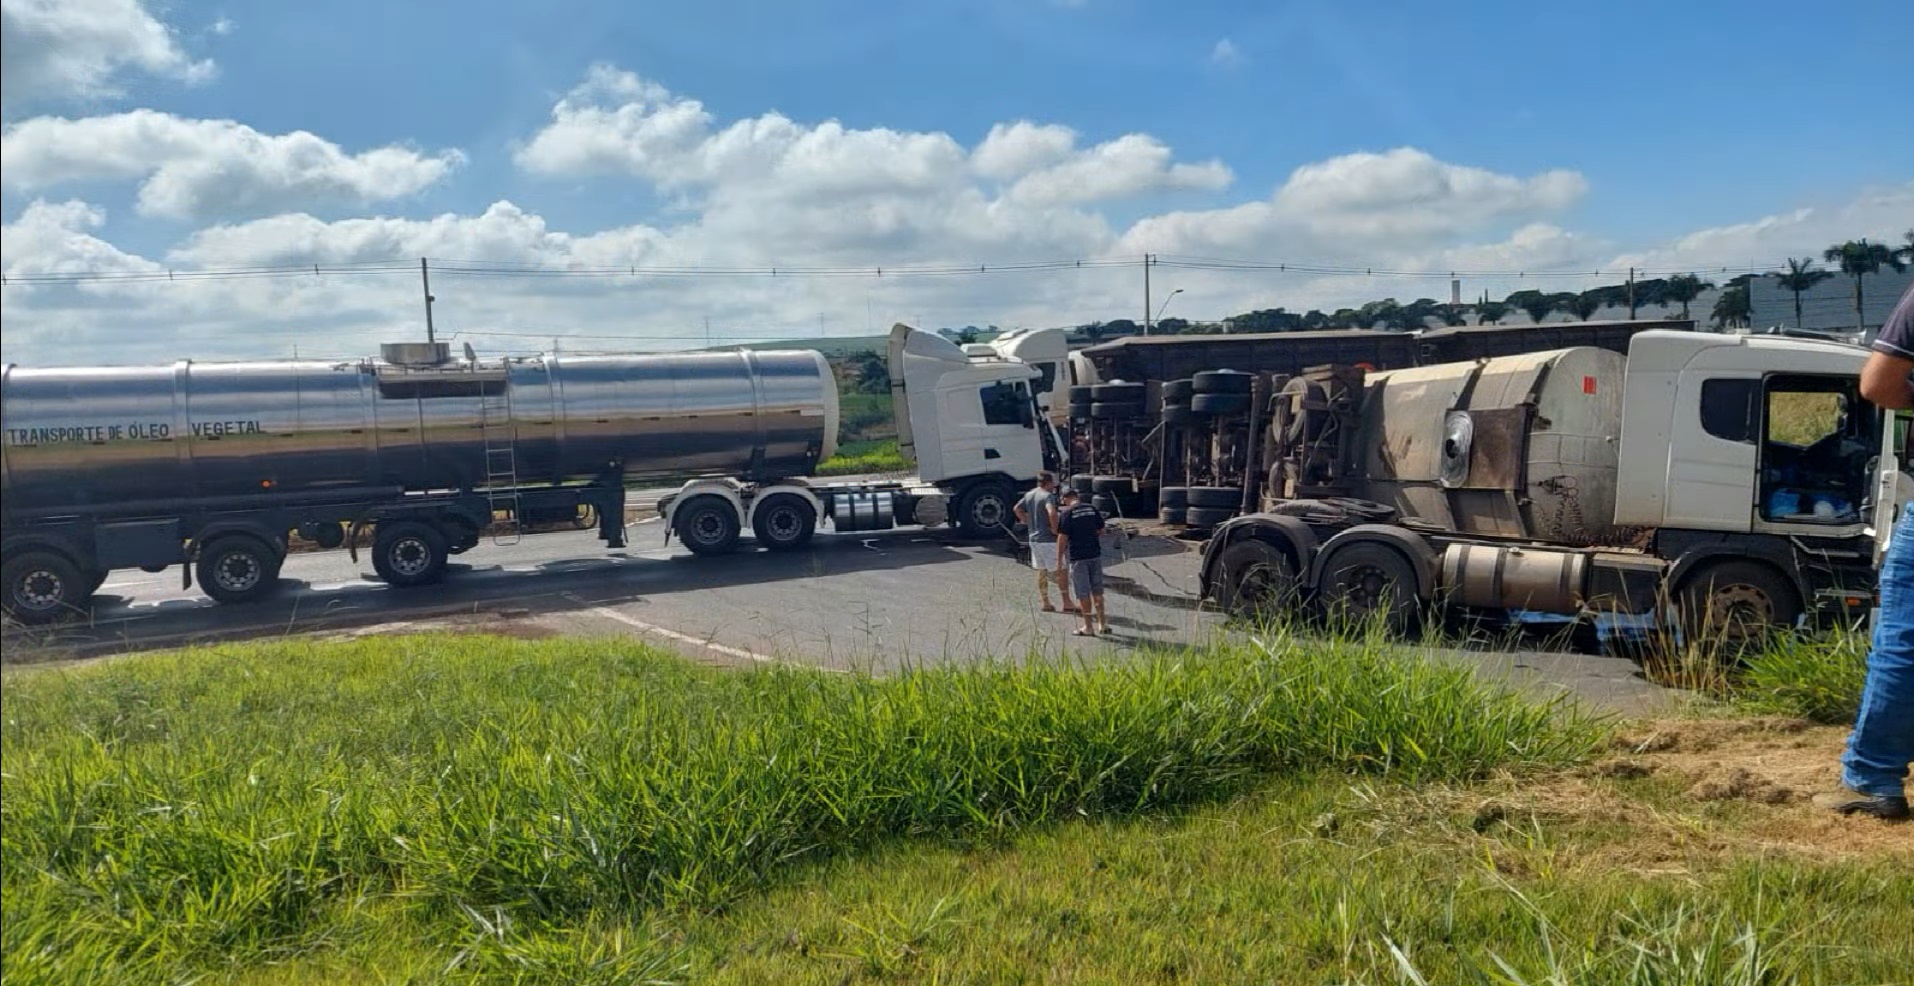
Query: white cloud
[[1226, 54], [222, 27], [65, 49], [202, 168], [769, 191], [618, 123]]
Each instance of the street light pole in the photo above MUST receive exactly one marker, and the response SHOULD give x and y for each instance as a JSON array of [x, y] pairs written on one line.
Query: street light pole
[[1166, 304]]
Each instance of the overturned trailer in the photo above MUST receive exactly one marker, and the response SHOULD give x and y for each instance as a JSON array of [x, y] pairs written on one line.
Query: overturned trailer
[[1153, 358]]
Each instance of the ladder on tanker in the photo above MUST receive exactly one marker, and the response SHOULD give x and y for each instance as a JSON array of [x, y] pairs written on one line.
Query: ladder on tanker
[[499, 434]]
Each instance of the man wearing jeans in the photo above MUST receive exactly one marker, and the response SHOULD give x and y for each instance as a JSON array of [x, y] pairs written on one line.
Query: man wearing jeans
[[1874, 768]]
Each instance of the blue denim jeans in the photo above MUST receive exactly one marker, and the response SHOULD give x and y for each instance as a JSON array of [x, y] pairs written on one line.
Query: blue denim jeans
[[1882, 743]]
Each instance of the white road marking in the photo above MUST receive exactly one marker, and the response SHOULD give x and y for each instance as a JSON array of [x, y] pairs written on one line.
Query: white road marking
[[684, 638]]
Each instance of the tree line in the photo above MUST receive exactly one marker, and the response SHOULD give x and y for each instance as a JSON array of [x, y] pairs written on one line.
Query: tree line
[[1856, 259]]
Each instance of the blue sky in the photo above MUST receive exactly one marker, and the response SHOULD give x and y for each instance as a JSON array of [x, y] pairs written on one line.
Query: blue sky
[[1675, 119]]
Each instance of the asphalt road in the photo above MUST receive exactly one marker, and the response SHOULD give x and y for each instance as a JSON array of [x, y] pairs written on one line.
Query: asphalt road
[[855, 601]]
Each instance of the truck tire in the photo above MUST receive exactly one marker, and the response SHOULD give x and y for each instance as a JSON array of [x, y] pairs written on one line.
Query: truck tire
[[1112, 484], [1173, 497], [784, 522], [1177, 391], [1214, 497], [984, 509], [1083, 395], [1370, 581], [708, 525], [1178, 415], [1218, 404], [1080, 412], [42, 586], [237, 568], [1206, 517], [1105, 504], [408, 553], [1736, 605], [1257, 578], [1084, 485], [1221, 382], [1110, 411], [1172, 515], [1117, 393]]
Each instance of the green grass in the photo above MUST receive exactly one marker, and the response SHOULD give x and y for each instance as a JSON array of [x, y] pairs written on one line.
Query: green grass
[[471, 807], [1816, 678], [858, 458]]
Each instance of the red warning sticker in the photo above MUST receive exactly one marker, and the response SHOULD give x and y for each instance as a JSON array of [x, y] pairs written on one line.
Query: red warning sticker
[[1588, 385]]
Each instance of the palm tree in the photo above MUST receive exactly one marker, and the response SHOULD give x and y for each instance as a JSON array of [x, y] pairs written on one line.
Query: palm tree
[[1684, 288], [1584, 305], [1490, 312], [1731, 308], [1802, 276], [1907, 246], [1859, 258]]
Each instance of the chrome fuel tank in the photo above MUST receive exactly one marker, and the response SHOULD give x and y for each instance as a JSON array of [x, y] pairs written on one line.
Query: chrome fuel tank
[[111, 435]]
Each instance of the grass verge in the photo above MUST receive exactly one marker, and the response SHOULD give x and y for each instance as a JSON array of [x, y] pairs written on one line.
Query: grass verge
[[1817, 678], [499, 804], [858, 458]]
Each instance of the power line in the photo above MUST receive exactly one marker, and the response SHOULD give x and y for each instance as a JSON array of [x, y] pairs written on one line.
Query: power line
[[489, 268]]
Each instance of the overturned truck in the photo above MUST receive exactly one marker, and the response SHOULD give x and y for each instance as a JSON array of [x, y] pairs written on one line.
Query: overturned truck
[[1735, 483]]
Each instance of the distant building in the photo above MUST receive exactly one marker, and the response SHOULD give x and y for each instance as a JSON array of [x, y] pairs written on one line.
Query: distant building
[[1829, 305]]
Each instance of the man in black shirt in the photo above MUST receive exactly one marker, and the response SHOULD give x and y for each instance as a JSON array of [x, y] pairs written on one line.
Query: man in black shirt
[[1874, 768], [1080, 545]]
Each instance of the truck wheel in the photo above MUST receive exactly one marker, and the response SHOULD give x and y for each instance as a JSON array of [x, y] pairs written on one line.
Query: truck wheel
[[1222, 382], [1219, 404], [408, 553], [1206, 517], [1173, 515], [984, 509], [42, 586], [1369, 581], [1174, 497], [708, 525], [1177, 391], [1117, 393], [1178, 415], [784, 522], [1736, 605], [237, 568], [1116, 412], [1084, 485], [1112, 484], [1214, 497], [1257, 577]]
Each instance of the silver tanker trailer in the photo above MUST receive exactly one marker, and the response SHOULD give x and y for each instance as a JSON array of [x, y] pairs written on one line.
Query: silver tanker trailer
[[211, 466]]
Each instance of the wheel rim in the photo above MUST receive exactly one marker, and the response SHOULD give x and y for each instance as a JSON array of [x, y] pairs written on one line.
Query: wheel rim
[[237, 571], [1366, 587], [1739, 612], [987, 511], [1260, 585], [784, 524], [410, 556], [39, 590], [707, 527]]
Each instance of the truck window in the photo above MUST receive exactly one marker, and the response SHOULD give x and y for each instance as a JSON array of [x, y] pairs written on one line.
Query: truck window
[[1817, 439], [1728, 409], [1003, 403]]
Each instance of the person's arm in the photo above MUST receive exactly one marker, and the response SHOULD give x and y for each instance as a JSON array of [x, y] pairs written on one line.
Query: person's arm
[[1884, 378], [1023, 516], [1885, 382], [1050, 516]]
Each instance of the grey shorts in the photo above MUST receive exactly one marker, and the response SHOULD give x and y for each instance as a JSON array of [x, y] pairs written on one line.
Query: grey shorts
[[1086, 577]]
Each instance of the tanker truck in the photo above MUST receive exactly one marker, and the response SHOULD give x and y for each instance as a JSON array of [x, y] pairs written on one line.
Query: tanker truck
[[212, 466], [1721, 484]]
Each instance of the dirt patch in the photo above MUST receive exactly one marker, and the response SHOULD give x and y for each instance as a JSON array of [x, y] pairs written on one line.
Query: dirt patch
[[1677, 796], [515, 624]]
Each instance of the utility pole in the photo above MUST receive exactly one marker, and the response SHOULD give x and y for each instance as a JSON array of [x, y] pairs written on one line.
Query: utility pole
[[707, 332], [425, 281], [1146, 294], [1631, 294]]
